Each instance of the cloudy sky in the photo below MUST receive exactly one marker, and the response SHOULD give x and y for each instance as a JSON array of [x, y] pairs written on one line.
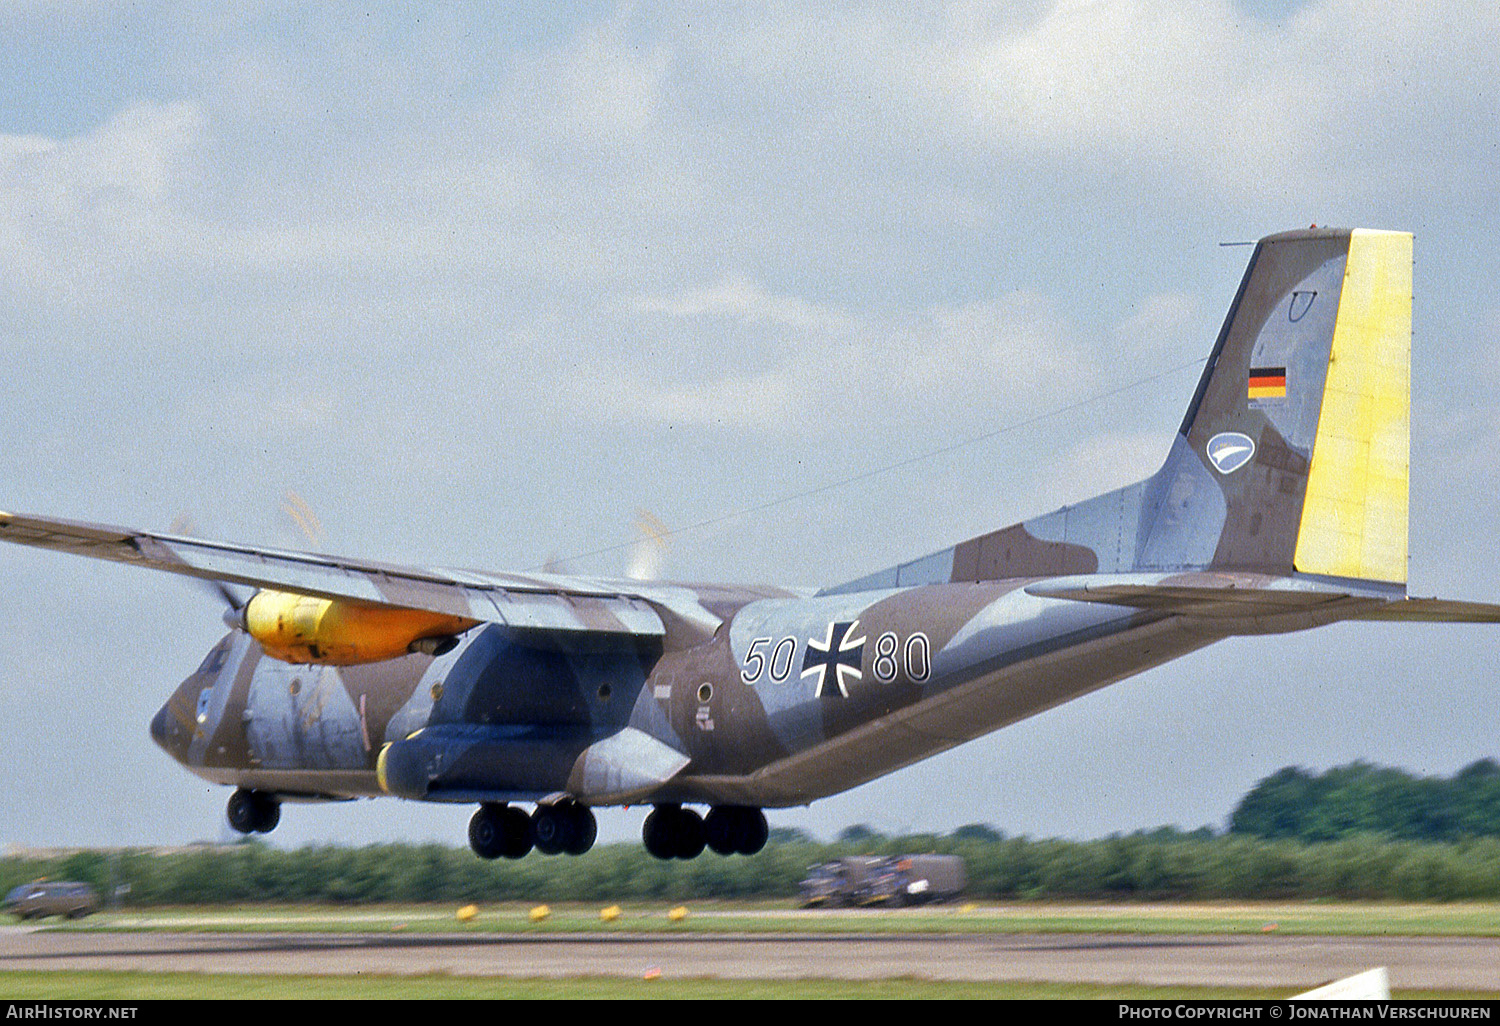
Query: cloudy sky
[[481, 282]]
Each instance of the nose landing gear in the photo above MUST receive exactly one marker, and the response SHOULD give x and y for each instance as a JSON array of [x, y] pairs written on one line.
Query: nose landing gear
[[253, 812]]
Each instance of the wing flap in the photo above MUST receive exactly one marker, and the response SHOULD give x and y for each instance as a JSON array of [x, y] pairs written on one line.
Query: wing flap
[[541, 603]]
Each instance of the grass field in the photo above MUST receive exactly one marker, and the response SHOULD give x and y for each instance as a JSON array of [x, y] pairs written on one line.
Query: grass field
[[131, 986], [1295, 918], [1315, 918]]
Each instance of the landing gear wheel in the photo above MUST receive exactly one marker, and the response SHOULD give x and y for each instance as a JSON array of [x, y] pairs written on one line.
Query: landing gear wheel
[[720, 830], [564, 827], [757, 831], [253, 812], [690, 838], [269, 814], [672, 832], [500, 830], [735, 830], [517, 828], [552, 828], [241, 811], [585, 830], [486, 836], [657, 832]]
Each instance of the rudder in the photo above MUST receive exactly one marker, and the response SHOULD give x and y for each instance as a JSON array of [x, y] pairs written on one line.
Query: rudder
[[1303, 414], [1354, 516]]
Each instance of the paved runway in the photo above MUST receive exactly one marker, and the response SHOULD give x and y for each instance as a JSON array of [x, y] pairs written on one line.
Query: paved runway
[[1229, 960]]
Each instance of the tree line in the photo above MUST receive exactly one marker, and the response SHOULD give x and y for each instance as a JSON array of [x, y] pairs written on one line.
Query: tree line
[[1355, 833], [1161, 864], [1359, 798]]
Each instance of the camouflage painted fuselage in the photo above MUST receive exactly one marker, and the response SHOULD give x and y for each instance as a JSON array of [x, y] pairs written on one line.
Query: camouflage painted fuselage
[[784, 700]]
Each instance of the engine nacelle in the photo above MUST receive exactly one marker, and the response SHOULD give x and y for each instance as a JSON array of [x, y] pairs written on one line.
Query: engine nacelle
[[344, 632]]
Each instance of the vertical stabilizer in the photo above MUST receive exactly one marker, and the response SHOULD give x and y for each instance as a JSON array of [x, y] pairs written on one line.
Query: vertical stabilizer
[[1302, 420], [1293, 455]]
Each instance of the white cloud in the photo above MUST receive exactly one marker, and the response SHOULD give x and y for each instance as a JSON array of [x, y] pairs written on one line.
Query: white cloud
[[599, 87], [1246, 109], [1162, 327], [1100, 463], [128, 165], [76, 214], [744, 300], [826, 366]]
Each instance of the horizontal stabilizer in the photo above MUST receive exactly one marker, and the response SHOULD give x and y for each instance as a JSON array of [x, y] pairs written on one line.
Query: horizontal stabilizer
[[1213, 594], [1434, 610], [1234, 595]]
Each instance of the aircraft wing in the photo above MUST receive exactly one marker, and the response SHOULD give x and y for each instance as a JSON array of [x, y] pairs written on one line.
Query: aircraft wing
[[536, 602]]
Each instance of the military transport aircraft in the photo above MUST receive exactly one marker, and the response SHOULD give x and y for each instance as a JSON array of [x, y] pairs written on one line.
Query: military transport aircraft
[[1282, 505]]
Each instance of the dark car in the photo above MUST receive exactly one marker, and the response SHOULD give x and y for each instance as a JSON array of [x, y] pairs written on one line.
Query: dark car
[[51, 898]]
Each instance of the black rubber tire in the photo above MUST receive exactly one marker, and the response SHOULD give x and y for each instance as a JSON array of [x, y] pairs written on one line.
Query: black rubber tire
[[242, 811], [515, 828], [756, 832], [267, 812], [721, 829], [552, 828], [689, 830], [585, 829], [658, 833], [487, 833]]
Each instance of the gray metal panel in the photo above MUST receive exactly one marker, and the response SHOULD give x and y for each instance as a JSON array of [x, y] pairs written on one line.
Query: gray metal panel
[[934, 569], [624, 766], [1183, 513]]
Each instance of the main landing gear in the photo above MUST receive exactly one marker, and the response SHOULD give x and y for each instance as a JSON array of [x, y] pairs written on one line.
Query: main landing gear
[[568, 827], [672, 832], [565, 827], [253, 812]]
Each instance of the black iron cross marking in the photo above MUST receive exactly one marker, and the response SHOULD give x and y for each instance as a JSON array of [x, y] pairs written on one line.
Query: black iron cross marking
[[837, 656]]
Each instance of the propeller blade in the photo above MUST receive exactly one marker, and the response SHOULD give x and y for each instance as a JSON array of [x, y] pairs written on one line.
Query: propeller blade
[[183, 525], [649, 550]]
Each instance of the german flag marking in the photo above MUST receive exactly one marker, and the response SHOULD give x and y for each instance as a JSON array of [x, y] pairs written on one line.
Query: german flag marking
[[1267, 383]]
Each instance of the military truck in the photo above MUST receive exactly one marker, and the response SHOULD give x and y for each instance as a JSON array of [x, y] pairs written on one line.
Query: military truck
[[839, 883], [884, 880]]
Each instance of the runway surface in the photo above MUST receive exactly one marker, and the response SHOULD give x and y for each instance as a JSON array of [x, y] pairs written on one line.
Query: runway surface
[[1459, 963]]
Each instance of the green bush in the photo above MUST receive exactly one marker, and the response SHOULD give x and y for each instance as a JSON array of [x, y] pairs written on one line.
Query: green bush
[[1157, 865]]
